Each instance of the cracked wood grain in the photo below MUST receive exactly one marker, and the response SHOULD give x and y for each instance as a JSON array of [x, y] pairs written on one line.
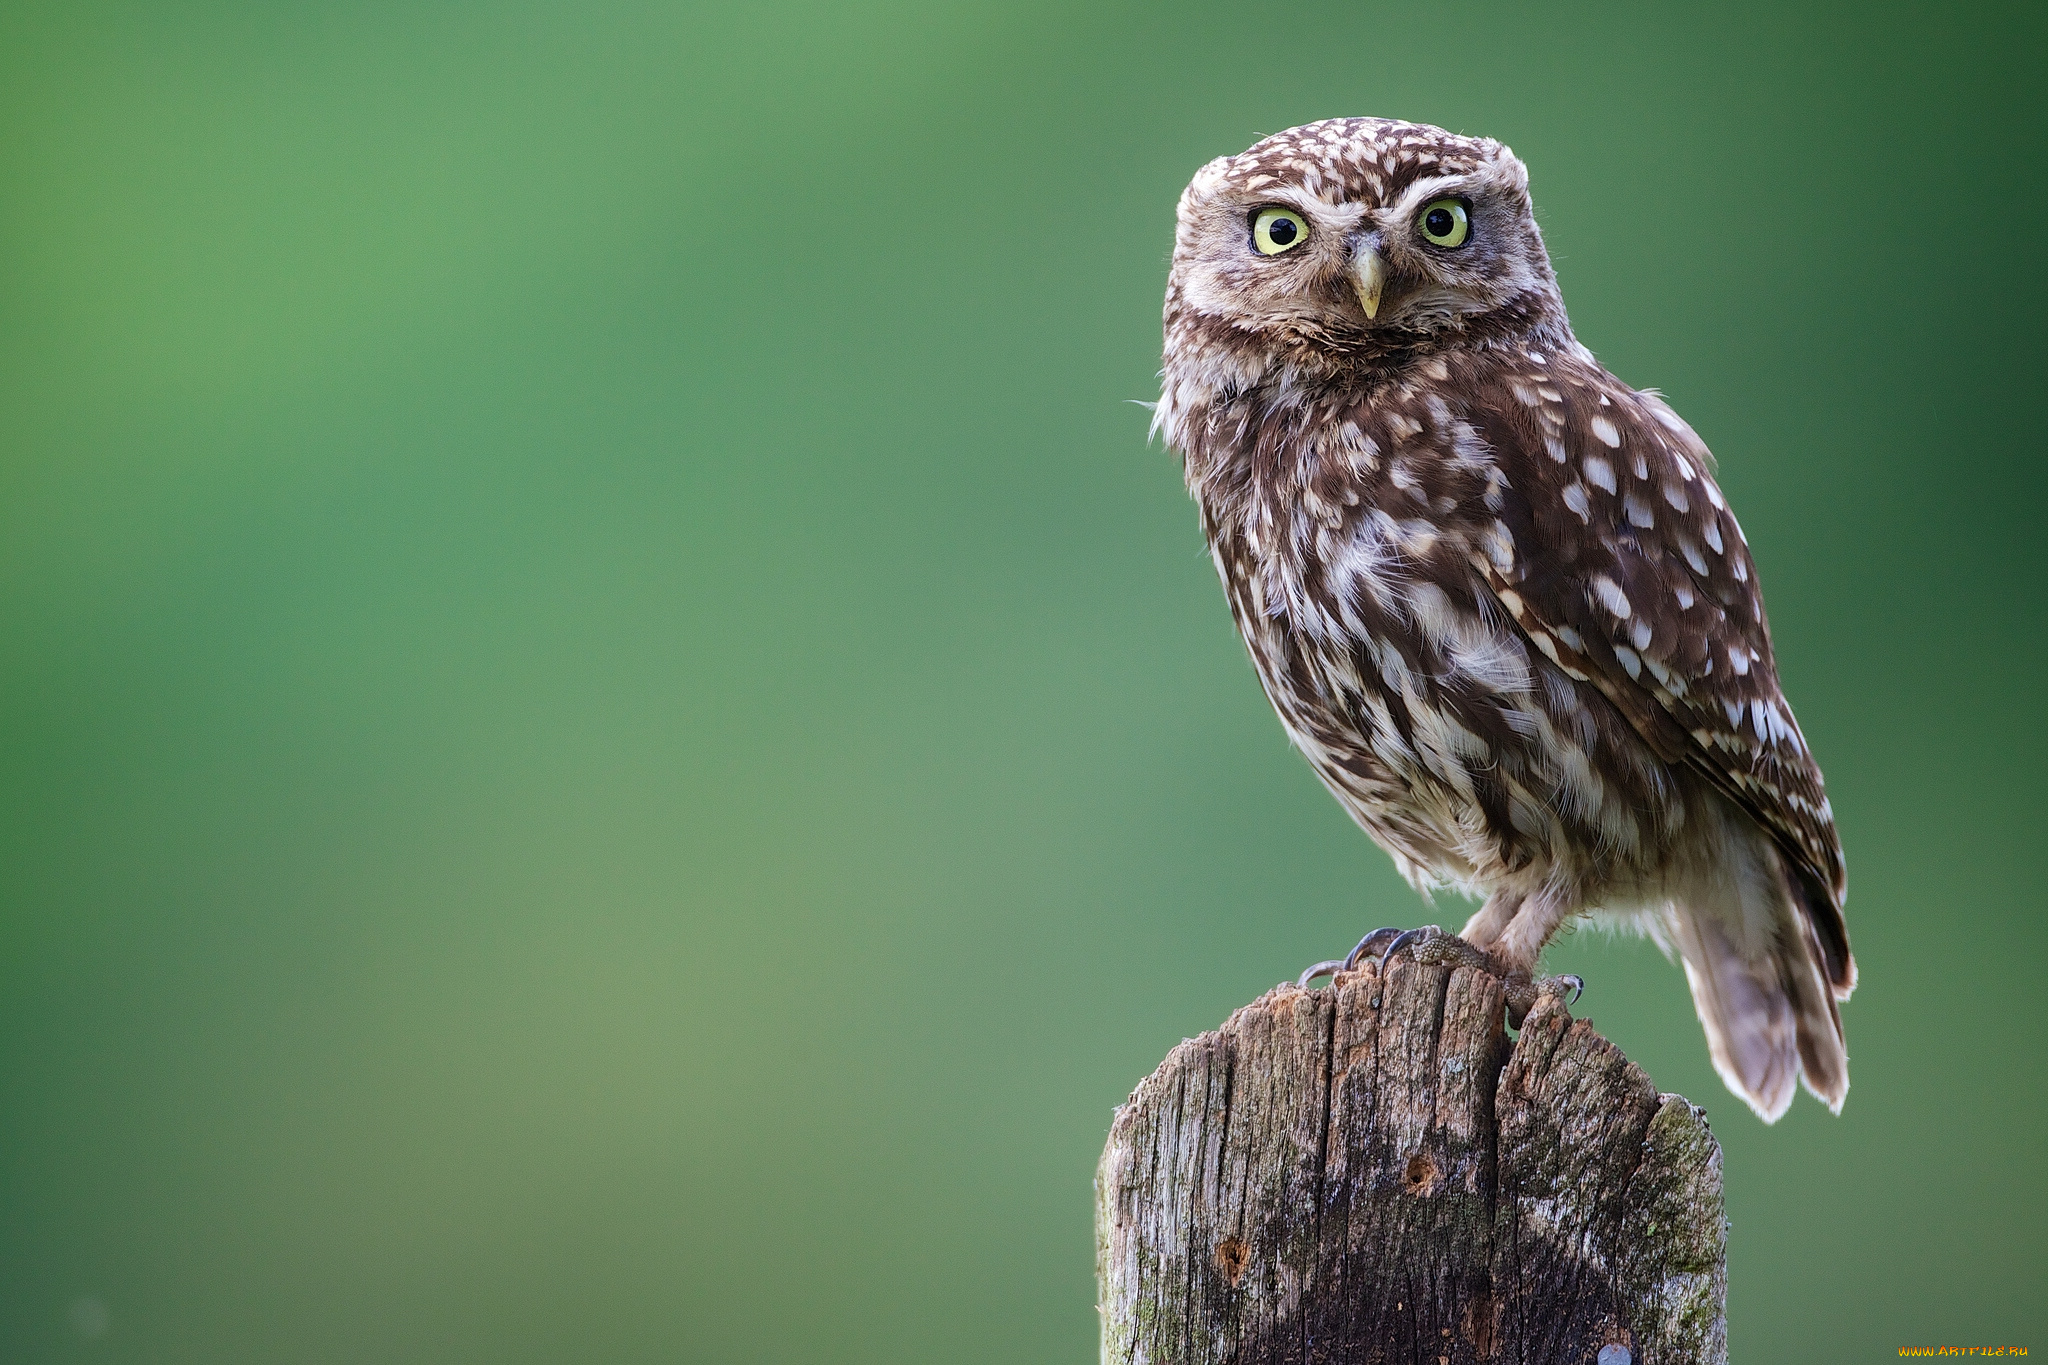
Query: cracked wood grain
[[1377, 1173]]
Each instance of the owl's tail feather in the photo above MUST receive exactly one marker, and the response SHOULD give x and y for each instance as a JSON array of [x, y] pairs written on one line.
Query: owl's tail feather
[[1830, 934], [1769, 1012]]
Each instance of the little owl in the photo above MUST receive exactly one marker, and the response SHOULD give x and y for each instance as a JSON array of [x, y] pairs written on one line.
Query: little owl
[[1493, 592]]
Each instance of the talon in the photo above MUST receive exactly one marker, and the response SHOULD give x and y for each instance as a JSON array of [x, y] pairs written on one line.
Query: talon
[[1573, 984], [1330, 968], [1408, 938], [1369, 945]]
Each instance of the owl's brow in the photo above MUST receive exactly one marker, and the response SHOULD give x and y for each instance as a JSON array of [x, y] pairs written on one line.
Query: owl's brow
[[1422, 188]]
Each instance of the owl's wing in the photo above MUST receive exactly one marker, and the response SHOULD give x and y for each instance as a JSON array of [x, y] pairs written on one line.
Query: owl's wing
[[1623, 565]]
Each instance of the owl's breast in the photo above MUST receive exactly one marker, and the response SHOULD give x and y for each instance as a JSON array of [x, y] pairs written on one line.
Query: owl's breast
[[1351, 563], [1364, 657]]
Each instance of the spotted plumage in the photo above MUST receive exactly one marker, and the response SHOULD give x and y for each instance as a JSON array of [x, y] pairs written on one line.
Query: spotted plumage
[[1495, 594]]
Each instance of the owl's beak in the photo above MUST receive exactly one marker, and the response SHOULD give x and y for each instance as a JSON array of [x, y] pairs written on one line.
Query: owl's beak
[[1368, 277]]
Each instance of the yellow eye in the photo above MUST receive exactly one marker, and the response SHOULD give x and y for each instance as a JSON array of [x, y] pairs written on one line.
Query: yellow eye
[[1275, 230], [1445, 222]]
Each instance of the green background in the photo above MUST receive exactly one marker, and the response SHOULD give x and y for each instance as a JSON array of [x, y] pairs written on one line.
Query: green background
[[615, 748]]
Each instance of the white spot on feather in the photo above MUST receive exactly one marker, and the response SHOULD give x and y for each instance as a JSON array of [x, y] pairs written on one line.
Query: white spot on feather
[[1604, 430], [1574, 497], [1611, 596], [1500, 547], [1676, 497], [1639, 633], [1780, 727], [1638, 512], [1599, 472], [1713, 533]]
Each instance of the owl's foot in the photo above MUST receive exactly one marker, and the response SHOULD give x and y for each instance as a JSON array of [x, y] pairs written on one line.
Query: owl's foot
[[1367, 946], [1433, 947], [1523, 993]]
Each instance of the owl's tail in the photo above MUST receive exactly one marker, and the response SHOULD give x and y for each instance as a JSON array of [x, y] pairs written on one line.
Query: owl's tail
[[1759, 982]]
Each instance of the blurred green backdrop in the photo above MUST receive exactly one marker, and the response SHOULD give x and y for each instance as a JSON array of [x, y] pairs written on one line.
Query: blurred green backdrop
[[615, 747]]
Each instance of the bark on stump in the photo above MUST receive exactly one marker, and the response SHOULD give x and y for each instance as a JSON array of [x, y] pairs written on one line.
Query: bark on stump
[[1359, 1174]]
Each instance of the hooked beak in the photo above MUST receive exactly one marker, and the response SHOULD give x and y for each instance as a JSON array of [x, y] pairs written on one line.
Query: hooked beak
[[1368, 277]]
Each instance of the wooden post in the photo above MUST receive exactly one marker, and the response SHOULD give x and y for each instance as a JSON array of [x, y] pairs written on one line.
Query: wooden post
[[1361, 1175]]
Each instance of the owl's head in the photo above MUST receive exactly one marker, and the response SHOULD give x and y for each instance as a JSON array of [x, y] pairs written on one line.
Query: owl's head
[[1362, 236]]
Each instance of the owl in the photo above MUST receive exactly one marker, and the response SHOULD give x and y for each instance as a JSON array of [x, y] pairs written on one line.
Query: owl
[[1495, 594]]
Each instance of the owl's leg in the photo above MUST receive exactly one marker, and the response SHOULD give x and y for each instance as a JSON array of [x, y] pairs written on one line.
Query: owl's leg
[[1533, 925], [1484, 929]]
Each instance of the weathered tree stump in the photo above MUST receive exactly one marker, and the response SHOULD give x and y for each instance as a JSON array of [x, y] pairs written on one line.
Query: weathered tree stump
[[1358, 1174]]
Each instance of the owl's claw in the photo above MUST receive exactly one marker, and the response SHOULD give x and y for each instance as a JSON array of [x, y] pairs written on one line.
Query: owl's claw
[[1523, 993], [1558, 985], [1407, 938], [1329, 968], [1367, 946]]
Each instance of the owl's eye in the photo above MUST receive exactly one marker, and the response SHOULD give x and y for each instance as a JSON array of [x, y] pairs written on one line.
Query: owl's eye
[[1445, 222], [1275, 230]]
